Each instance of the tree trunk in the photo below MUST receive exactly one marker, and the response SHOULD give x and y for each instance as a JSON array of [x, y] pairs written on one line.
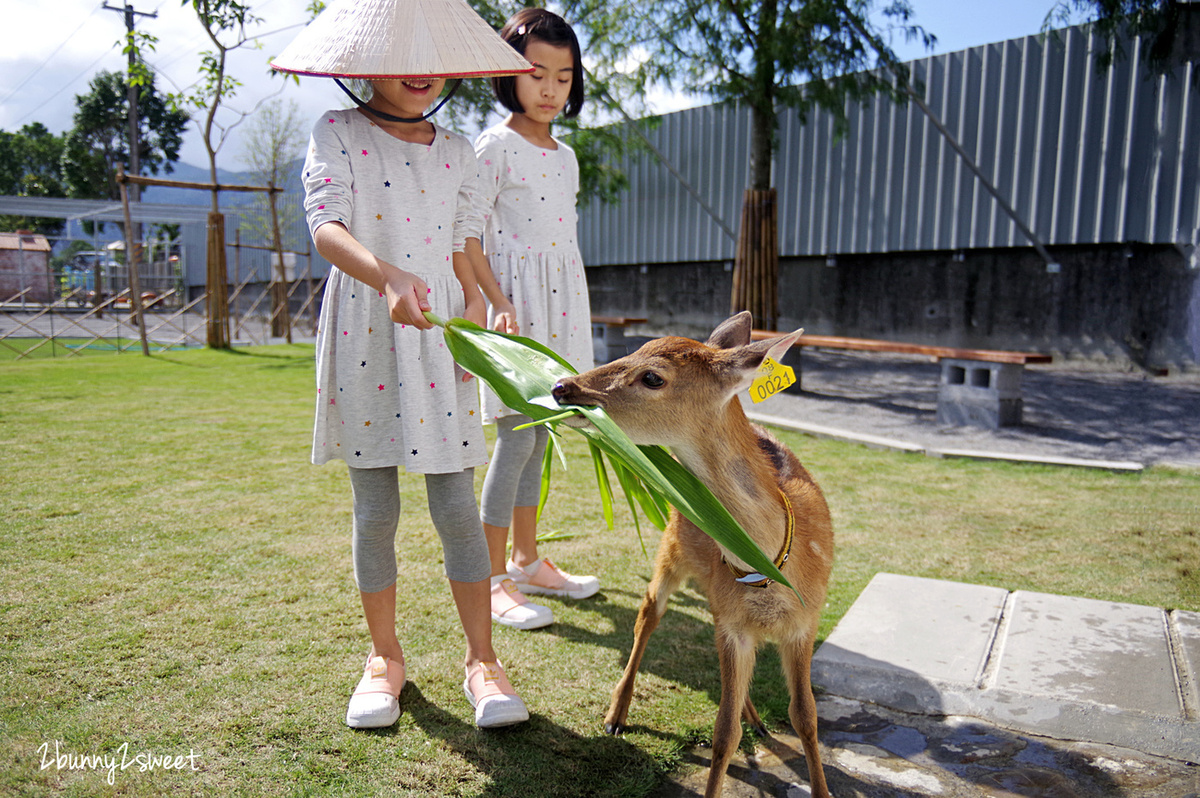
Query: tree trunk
[[756, 266]]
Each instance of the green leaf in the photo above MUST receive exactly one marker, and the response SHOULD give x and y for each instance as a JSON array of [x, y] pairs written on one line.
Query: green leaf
[[547, 462], [634, 488], [656, 467], [602, 481]]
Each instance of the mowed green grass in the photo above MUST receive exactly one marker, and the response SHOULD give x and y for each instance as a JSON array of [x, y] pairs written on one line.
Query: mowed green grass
[[177, 582]]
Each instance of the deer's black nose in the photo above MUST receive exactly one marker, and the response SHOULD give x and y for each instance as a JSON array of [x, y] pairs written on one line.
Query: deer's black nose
[[559, 392]]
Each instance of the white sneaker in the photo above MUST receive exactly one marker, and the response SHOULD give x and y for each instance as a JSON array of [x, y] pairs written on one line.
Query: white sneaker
[[544, 578], [511, 608]]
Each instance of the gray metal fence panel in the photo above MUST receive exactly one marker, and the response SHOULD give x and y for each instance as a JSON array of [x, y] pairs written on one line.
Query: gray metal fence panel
[[1085, 157]]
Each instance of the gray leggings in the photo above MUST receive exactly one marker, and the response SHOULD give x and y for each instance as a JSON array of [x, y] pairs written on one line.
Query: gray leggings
[[377, 513], [514, 479]]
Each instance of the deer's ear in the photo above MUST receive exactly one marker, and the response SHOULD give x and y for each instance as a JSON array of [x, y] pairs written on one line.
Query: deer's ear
[[733, 332], [779, 346], [749, 357]]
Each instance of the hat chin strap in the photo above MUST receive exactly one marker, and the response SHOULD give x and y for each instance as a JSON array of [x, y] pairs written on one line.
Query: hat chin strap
[[392, 118]]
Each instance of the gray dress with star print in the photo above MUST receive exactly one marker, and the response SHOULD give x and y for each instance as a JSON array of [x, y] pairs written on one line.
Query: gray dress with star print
[[528, 204], [389, 394]]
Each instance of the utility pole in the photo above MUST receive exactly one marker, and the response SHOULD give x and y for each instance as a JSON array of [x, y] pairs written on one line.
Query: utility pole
[[134, 235], [132, 91]]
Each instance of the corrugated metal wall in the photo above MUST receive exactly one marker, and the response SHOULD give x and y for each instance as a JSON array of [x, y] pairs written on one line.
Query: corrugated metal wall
[[1084, 157]]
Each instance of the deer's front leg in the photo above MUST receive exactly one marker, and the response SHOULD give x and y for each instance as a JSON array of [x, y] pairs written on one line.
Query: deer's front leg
[[667, 576], [736, 654]]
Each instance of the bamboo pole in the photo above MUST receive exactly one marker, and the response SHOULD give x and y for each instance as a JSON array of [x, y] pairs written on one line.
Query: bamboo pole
[[132, 261], [281, 316], [756, 267], [218, 286]]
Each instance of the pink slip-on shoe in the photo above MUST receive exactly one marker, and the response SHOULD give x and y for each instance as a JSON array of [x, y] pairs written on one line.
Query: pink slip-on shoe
[[544, 578], [496, 702], [511, 608], [375, 702]]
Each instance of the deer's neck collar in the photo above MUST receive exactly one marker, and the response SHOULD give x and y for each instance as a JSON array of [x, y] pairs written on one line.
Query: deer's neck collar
[[755, 579]]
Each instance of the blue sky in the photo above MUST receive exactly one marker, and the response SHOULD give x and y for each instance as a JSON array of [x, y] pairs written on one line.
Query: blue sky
[[44, 65]]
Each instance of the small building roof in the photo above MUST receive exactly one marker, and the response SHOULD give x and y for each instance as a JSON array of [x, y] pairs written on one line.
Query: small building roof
[[23, 239]]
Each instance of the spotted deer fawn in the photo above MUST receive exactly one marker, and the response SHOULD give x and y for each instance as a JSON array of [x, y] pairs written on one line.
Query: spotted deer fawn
[[683, 394]]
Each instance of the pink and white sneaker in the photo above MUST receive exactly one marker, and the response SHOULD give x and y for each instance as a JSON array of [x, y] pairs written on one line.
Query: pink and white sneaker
[[495, 701], [511, 608], [375, 701], [544, 578]]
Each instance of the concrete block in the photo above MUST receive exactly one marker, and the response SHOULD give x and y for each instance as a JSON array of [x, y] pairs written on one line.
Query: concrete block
[[981, 394], [610, 342], [986, 412]]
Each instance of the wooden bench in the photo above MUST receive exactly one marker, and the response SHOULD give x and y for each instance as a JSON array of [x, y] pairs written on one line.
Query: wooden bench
[[608, 337], [981, 387]]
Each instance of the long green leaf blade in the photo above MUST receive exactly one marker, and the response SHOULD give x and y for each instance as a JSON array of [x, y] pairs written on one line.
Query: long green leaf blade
[[602, 481]]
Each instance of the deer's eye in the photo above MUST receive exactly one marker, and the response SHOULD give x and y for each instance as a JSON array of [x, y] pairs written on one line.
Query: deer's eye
[[652, 380]]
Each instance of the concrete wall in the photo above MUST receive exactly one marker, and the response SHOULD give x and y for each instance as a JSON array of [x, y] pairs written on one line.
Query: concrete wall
[[1124, 305]]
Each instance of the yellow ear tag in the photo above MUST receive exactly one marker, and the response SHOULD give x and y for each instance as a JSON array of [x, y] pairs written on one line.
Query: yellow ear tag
[[771, 379]]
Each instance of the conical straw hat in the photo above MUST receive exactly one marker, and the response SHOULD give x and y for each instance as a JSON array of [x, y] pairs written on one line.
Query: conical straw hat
[[400, 38]]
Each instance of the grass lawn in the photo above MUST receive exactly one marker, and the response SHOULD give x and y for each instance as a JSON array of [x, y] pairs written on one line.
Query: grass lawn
[[26, 349], [177, 582]]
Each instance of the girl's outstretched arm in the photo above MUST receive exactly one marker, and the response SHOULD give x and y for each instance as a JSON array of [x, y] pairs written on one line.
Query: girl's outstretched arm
[[406, 293], [505, 313], [476, 309]]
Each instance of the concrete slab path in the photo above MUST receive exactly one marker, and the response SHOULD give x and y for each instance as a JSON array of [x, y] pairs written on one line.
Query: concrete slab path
[[1058, 666]]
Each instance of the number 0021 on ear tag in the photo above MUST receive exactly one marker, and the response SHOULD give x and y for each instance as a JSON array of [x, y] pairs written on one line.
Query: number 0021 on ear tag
[[772, 378]]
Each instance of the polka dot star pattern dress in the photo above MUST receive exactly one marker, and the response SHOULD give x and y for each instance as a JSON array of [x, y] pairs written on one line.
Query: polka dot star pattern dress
[[389, 394], [528, 196]]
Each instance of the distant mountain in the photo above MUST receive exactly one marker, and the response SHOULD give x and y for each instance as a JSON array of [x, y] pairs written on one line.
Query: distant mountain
[[164, 195]]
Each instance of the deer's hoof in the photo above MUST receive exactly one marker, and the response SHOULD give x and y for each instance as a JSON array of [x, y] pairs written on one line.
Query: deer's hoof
[[614, 728]]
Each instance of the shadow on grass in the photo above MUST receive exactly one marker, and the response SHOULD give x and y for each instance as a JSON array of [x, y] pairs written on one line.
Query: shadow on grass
[[682, 651], [278, 356], [567, 764]]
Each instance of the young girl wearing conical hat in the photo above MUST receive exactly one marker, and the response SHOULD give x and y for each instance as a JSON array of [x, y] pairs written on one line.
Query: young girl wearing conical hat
[[390, 202]]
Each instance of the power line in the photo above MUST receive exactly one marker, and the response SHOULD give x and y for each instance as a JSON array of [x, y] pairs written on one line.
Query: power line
[[67, 85], [50, 57]]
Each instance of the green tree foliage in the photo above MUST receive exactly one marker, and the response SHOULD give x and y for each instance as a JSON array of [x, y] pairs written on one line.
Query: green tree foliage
[[273, 141], [224, 22], [1170, 29], [29, 167], [768, 54], [99, 139]]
